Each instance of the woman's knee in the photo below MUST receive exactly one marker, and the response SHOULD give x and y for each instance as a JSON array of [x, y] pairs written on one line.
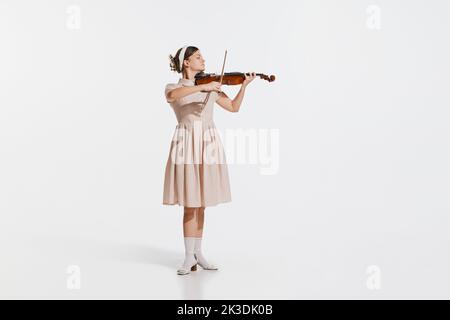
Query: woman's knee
[[190, 210]]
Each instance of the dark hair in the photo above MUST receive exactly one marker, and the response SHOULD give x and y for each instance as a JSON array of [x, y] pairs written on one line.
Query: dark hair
[[174, 61]]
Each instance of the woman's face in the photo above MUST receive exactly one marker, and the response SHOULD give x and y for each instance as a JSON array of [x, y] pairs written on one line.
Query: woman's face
[[196, 61]]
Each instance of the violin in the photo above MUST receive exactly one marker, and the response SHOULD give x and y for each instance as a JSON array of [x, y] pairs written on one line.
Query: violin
[[228, 78]]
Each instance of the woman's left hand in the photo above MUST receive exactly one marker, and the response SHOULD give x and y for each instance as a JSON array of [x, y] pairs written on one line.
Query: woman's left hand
[[248, 79]]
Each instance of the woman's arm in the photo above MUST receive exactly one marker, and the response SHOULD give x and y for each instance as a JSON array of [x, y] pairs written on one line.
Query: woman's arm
[[235, 104], [231, 105], [181, 92]]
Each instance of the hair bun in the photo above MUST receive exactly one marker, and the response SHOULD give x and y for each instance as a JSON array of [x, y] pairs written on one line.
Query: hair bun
[[173, 63]]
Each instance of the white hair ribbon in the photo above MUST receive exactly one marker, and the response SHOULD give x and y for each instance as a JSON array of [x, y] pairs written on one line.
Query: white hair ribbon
[[181, 57]]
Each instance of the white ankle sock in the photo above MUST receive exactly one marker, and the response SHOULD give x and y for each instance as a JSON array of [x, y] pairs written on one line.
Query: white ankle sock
[[198, 253], [189, 258]]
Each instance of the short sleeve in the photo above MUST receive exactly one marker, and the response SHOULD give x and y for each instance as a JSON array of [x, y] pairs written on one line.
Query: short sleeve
[[169, 87]]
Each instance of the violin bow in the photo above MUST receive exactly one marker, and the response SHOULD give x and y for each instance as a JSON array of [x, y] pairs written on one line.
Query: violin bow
[[221, 77], [223, 67]]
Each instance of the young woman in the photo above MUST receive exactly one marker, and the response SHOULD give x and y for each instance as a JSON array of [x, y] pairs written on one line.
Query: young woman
[[196, 174]]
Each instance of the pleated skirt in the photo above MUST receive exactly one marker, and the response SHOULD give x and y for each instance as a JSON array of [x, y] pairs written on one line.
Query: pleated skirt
[[196, 172]]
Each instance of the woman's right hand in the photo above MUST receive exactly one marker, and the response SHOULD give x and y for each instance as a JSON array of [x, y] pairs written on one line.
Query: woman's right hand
[[212, 86]]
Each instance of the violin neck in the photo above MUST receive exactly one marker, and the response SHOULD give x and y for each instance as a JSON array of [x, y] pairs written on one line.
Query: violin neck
[[257, 74]]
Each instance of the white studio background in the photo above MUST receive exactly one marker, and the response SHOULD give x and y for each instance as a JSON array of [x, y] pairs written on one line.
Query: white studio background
[[356, 205]]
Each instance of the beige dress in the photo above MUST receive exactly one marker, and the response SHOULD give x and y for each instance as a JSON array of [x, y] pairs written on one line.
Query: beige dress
[[196, 173]]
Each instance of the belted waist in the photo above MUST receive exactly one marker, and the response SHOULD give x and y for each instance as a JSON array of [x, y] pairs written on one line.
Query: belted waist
[[199, 121]]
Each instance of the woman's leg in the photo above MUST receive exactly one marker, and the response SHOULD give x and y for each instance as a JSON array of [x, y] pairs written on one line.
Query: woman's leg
[[200, 217], [189, 232], [193, 221], [190, 222]]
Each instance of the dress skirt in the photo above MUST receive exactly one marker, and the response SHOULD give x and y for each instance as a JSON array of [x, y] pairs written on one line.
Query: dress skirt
[[196, 173]]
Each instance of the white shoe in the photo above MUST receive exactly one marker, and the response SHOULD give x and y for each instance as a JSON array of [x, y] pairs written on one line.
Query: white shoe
[[204, 264], [190, 264]]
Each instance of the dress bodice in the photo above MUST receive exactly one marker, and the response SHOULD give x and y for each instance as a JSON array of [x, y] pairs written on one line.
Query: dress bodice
[[198, 106]]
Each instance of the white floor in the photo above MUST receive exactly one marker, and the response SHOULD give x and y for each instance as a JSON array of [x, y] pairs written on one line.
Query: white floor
[[273, 260]]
